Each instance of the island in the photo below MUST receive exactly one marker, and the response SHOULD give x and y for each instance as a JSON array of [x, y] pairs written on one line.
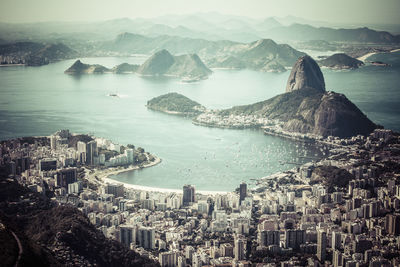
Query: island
[[183, 66], [188, 67], [177, 104], [125, 68], [305, 110], [80, 68], [340, 61]]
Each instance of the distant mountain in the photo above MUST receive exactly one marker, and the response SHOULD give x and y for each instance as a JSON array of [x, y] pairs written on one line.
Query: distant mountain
[[174, 103], [304, 32], [307, 108], [80, 68], [264, 55], [163, 63], [340, 61], [35, 54], [129, 43]]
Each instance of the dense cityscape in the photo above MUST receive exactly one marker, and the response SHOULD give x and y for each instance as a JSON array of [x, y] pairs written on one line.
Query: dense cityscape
[[340, 211]]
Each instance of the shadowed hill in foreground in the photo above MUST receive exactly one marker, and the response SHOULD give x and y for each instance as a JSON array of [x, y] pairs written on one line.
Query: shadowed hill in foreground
[[53, 235]]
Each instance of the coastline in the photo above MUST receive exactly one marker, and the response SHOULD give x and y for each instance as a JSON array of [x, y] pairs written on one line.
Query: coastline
[[364, 57], [103, 177]]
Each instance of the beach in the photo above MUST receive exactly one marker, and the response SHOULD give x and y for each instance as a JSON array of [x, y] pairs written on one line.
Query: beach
[[364, 57], [103, 177]]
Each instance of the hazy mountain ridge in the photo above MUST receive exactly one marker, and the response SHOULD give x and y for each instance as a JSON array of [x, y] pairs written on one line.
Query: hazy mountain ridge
[[304, 32], [35, 54]]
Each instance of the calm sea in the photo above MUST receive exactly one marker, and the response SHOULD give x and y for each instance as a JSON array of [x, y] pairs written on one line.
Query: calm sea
[[42, 100]]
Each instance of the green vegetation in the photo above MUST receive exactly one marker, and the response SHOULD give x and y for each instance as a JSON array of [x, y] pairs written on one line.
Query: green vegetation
[[331, 176], [175, 103], [48, 232], [341, 61]]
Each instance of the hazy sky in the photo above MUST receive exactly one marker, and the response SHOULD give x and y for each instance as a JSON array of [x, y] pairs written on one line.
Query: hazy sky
[[346, 11]]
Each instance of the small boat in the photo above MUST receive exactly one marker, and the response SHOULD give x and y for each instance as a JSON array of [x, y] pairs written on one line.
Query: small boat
[[113, 94]]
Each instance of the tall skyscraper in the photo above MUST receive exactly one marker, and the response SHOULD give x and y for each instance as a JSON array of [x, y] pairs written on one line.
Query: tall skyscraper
[[267, 238], [53, 142], [66, 176], [127, 234], [240, 248], [242, 192], [336, 240], [294, 238], [321, 245], [392, 224], [91, 152], [188, 194], [169, 258], [146, 237]]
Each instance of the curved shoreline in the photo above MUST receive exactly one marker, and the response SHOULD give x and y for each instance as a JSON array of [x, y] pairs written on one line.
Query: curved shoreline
[[104, 178]]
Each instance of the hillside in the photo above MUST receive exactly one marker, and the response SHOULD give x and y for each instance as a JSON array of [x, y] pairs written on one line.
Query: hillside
[[174, 103], [34, 54], [80, 68], [304, 32], [53, 235], [340, 61]]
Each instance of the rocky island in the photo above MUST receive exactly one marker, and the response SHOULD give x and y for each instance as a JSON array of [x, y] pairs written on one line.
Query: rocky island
[[341, 61], [183, 66], [177, 104], [125, 68], [306, 109], [80, 68], [189, 67]]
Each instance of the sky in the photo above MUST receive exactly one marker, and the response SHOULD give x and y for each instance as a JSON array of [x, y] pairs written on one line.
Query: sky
[[335, 11]]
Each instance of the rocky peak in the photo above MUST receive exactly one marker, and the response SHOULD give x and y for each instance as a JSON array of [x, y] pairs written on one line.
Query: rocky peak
[[305, 74]]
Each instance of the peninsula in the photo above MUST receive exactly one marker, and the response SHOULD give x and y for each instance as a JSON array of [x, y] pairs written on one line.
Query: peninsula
[[305, 109], [340, 61]]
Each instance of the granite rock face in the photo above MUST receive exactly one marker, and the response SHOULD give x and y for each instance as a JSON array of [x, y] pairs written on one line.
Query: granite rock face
[[305, 74], [307, 108]]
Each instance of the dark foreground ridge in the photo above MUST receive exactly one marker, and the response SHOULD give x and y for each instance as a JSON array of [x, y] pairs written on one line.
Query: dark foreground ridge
[[53, 235]]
